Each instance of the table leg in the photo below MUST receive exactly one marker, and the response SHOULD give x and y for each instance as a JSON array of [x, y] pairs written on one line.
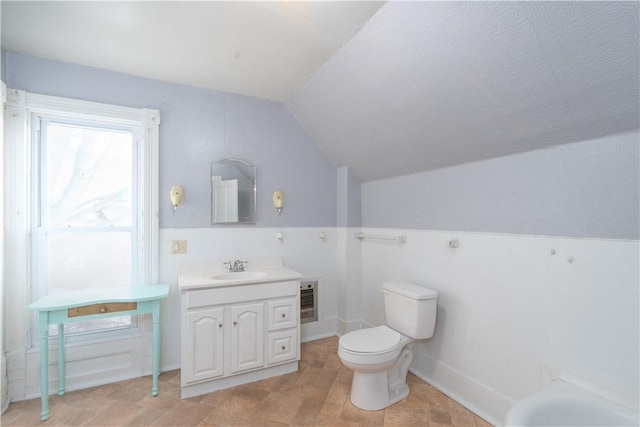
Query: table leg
[[43, 325], [60, 359], [155, 367]]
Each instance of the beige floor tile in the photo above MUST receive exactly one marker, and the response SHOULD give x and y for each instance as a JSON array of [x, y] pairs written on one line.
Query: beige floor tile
[[437, 398], [331, 410], [333, 362], [148, 417], [286, 382], [129, 393], [118, 414], [280, 407], [267, 384], [318, 394], [480, 422], [326, 421], [71, 416], [412, 378], [339, 393], [250, 392], [307, 414], [184, 414], [261, 422], [233, 411], [460, 416], [356, 415], [314, 383], [419, 394], [161, 401], [94, 402], [404, 415], [440, 416], [345, 375]]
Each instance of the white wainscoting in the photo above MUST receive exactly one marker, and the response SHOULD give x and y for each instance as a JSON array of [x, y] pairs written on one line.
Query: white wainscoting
[[513, 308]]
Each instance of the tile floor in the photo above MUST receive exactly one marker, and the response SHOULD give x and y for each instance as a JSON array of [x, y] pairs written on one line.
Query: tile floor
[[316, 395]]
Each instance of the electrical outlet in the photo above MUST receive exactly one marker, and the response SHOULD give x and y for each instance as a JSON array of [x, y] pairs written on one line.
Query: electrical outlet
[[178, 247]]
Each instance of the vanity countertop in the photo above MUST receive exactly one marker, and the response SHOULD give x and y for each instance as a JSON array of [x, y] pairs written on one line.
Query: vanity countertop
[[213, 274]]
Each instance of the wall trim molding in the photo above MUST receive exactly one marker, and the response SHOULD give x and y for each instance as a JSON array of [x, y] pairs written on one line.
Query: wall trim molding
[[447, 379], [313, 331]]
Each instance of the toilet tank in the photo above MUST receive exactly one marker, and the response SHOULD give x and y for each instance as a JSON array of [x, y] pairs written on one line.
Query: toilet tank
[[410, 309]]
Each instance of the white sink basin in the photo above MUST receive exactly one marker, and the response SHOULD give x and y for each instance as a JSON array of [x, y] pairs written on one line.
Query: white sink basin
[[239, 275], [213, 274]]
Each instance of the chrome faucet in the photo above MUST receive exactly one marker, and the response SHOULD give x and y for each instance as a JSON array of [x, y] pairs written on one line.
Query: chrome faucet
[[235, 266]]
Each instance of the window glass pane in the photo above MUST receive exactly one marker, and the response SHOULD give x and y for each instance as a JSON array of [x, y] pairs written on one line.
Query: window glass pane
[[77, 261], [92, 325], [89, 176]]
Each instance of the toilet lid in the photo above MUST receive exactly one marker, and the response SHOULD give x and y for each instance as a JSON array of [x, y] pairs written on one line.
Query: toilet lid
[[371, 340]]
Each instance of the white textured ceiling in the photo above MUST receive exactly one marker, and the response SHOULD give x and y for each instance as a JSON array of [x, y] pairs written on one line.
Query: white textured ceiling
[[263, 49], [422, 85], [431, 84]]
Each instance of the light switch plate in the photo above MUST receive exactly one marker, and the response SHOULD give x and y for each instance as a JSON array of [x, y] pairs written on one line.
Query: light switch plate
[[178, 247]]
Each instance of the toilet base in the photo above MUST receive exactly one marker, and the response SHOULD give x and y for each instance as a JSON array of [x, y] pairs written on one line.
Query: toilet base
[[374, 391], [370, 391]]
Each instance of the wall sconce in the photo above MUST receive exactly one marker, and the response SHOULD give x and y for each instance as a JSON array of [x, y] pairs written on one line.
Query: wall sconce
[[278, 201], [176, 194]]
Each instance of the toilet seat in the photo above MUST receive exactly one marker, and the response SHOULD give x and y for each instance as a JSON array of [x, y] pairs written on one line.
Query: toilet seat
[[378, 341]]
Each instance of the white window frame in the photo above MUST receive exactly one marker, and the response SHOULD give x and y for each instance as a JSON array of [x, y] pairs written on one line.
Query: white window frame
[[24, 109]]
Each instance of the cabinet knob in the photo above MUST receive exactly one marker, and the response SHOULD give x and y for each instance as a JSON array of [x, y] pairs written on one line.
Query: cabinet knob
[[103, 309], [235, 323], [284, 315], [220, 325]]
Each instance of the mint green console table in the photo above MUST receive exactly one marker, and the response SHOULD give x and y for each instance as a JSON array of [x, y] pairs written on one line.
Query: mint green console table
[[93, 304]]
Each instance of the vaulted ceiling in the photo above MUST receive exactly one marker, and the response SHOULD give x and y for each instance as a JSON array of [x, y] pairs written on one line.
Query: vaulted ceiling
[[385, 89]]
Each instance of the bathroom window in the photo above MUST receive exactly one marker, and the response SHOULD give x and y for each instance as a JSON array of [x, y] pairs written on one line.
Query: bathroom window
[[93, 176], [87, 231]]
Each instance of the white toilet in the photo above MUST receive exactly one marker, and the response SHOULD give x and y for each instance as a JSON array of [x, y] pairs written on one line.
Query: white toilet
[[380, 356]]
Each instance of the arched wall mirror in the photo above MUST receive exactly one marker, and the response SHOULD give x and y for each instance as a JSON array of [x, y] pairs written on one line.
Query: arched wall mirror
[[233, 192]]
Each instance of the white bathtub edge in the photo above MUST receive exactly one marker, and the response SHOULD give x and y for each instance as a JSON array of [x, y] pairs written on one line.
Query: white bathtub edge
[[611, 395], [543, 408]]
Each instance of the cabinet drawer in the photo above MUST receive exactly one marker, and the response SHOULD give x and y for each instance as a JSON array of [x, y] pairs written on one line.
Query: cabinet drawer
[[111, 307], [282, 346], [282, 314], [241, 293]]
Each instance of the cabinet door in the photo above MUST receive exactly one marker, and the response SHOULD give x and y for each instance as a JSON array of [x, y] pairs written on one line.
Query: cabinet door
[[204, 344], [247, 336]]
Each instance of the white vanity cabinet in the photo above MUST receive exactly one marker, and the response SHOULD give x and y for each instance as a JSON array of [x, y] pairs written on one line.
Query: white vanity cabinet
[[247, 337], [204, 335], [238, 334]]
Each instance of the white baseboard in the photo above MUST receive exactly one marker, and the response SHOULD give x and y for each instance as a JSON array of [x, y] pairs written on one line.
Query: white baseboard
[[479, 399], [346, 326], [317, 330]]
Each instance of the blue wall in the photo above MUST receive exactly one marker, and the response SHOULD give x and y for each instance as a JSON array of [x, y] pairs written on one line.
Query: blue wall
[[201, 126], [586, 189]]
